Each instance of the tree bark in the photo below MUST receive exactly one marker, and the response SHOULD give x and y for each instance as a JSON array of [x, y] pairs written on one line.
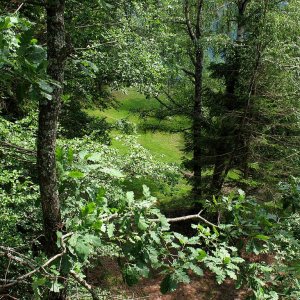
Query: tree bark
[[197, 126], [47, 130]]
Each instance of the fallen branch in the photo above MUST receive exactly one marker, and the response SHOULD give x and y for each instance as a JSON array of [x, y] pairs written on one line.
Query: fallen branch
[[37, 269], [17, 10], [17, 148], [85, 285]]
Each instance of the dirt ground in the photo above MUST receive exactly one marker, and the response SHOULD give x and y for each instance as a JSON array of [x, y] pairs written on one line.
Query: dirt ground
[[107, 275]]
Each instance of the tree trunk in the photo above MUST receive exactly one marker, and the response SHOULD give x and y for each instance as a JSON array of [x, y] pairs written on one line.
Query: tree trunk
[[197, 126], [219, 168], [195, 32], [47, 131]]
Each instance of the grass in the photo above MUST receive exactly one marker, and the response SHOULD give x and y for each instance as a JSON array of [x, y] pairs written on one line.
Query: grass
[[164, 146]]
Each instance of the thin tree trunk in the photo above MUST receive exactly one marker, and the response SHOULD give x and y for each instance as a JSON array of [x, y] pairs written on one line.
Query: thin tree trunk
[[47, 131], [195, 33], [197, 126], [220, 162]]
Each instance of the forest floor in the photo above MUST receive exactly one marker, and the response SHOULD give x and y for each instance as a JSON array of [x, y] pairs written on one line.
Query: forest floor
[[107, 276]]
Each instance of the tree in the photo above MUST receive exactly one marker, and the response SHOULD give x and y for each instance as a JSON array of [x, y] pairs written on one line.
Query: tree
[[47, 128], [197, 60]]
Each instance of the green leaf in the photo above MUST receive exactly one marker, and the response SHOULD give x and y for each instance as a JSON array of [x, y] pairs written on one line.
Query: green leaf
[[131, 276], [45, 86], [201, 254], [95, 157], [146, 191], [227, 260], [89, 208], [97, 225], [197, 270], [181, 276], [168, 285], [232, 275], [164, 222], [101, 193], [55, 287], [182, 239], [130, 198], [82, 250], [113, 172], [142, 225], [66, 264], [234, 174], [262, 237], [37, 283], [75, 174], [59, 236], [155, 237], [110, 230]]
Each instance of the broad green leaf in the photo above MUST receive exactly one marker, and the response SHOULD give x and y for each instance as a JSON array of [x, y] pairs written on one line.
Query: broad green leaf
[[142, 225], [75, 174], [262, 237], [131, 276]]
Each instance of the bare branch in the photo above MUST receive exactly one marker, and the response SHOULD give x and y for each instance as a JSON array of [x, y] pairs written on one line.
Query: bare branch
[[172, 100], [186, 218], [20, 279], [19, 8], [188, 20], [192, 74], [17, 148], [162, 103], [85, 285], [198, 22], [95, 46]]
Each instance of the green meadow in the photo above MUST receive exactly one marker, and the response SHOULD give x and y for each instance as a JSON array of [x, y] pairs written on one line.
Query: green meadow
[[163, 145]]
